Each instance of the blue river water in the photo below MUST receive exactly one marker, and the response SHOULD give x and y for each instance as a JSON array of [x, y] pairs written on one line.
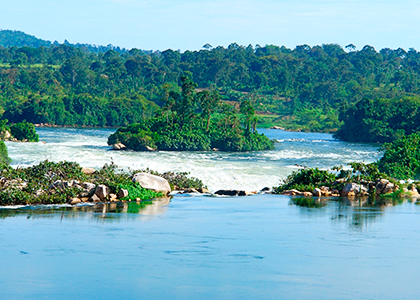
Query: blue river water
[[201, 247]]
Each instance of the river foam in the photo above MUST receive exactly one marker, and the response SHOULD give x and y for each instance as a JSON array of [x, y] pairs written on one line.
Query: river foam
[[218, 170]]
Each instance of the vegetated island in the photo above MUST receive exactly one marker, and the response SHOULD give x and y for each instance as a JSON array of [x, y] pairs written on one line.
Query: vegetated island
[[396, 174], [67, 182], [194, 121]]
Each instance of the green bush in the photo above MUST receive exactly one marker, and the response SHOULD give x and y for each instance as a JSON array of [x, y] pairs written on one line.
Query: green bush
[[401, 158], [4, 154], [24, 131], [135, 190]]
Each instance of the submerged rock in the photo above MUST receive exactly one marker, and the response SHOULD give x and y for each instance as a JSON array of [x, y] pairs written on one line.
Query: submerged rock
[[233, 193]]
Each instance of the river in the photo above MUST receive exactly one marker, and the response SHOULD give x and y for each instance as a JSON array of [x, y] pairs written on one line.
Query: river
[[255, 247]]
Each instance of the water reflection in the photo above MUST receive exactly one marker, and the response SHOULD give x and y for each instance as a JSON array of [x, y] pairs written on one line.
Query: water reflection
[[104, 211], [358, 212]]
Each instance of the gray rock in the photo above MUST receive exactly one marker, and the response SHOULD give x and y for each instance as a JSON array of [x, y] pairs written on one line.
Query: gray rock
[[384, 187], [74, 201], [122, 194], [227, 192], [88, 171], [233, 193], [89, 187], [350, 188], [95, 198], [119, 146], [101, 191], [292, 192], [317, 192], [152, 182], [203, 191]]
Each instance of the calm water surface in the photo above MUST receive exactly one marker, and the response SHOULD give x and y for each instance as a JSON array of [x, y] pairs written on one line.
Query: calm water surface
[[257, 247]]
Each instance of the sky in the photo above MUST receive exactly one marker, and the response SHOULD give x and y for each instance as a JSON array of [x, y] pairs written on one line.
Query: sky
[[190, 24]]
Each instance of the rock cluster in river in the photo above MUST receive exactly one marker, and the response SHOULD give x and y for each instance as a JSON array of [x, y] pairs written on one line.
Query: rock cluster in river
[[364, 188]]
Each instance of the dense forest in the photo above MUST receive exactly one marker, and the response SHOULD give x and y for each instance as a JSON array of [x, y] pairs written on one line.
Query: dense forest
[[302, 88], [194, 121]]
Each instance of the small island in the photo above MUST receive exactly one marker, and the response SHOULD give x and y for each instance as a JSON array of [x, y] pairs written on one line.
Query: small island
[[194, 121], [396, 174]]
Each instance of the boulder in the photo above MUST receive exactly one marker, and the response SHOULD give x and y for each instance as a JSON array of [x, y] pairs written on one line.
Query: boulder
[[119, 146], [95, 198], [227, 192], [89, 187], [101, 191], [203, 191], [233, 193], [292, 193], [246, 193], [88, 171], [307, 194], [384, 186], [413, 191], [351, 188], [122, 194], [325, 191], [317, 192], [152, 182], [74, 201], [190, 191]]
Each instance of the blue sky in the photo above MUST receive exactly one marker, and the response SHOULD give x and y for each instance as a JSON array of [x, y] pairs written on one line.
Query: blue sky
[[188, 24]]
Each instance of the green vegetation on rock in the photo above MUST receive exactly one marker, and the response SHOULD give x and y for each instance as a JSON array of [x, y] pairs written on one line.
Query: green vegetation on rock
[[53, 183], [186, 123]]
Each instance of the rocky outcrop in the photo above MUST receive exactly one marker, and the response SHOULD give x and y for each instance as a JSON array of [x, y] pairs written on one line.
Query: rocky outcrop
[[152, 182], [119, 146], [384, 186], [234, 193], [353, 189]]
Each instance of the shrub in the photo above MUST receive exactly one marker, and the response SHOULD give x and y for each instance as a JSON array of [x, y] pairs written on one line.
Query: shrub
[[24, 131], [401, 158]]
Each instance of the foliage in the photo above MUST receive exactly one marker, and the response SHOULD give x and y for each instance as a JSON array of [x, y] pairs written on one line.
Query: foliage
[[382, 120], [111, 176], [186, 124], [35, 184], [28, 181], [24, 132], [136, 191], [4, 154], [177, 180], [401, 158], [306, 180], [301, 87]]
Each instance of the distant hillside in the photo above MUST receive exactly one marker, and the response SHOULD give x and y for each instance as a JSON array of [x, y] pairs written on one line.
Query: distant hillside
[[14, 38]]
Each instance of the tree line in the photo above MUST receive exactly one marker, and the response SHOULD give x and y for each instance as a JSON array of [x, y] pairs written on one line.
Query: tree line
[[309, 83]]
